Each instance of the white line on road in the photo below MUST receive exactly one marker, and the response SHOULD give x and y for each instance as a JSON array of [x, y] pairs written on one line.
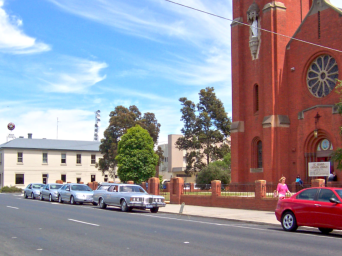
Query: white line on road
[[87, 223], [13, 207]]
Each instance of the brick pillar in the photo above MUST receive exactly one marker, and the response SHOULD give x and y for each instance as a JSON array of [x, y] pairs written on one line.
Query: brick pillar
[[153, 186], [260, 189], [130, 182], [59, 181], [143, 185], [192, 187], [215, 188], [176, 190], [318, 183]]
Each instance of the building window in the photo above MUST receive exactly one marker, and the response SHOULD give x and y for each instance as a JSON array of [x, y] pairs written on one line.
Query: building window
[[19, 179], [259, 154], [45, 158], [92, 178], [45, 178], [78, 159], [256, 98], [106, 178], [20, 157], [63, 158], [63, 177], [78, 180], [93, 159]]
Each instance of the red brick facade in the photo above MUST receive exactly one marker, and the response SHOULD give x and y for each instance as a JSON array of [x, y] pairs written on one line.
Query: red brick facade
[[272, 104]]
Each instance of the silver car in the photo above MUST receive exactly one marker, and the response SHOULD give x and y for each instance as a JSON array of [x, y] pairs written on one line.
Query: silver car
[[32, 190], [50, 191], [99, 191], [75, 193], [129, 196]]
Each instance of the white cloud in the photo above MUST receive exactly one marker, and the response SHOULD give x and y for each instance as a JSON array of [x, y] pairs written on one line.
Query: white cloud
[[71, 75], [336, 3], [73, 124], [13, 39]]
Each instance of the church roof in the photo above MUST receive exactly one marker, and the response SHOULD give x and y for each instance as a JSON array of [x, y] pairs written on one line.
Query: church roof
[[47, 144], [318, 5]]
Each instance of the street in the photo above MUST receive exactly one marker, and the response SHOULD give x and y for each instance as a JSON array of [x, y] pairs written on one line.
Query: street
[[33, 227]]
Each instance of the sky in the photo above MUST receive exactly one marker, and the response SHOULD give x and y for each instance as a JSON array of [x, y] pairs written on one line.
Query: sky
[[62, 60]]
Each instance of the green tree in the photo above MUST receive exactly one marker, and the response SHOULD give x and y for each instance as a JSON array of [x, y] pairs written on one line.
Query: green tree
[[136, 158], [121, 119], [213, 172], [337, 155], [206, 128]]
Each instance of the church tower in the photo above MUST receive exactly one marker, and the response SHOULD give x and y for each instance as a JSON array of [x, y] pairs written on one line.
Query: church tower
[[261, 123]]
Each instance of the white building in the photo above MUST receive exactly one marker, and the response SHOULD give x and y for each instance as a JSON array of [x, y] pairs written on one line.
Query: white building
[[23, 161]]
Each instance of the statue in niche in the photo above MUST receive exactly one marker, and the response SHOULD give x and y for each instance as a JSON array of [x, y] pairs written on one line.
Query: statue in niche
[[253, 19]]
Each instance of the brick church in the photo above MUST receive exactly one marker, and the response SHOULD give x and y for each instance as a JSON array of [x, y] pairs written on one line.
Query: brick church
[[284, 113]]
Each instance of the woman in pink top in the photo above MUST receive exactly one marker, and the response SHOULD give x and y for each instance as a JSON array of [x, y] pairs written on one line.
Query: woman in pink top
[[282, 188]]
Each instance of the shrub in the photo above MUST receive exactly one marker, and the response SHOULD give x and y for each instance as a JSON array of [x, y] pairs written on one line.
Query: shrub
[[212, 172], [11, 189]]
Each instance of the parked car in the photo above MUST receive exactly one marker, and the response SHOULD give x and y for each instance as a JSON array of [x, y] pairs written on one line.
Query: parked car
[[32, 190], [50, 191], [99, 191], [128, 196], [75, 193], [314, 207]]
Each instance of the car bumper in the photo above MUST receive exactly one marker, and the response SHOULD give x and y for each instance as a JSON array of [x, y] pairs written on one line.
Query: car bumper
[[142, 205], [83, 200], [278, 214]]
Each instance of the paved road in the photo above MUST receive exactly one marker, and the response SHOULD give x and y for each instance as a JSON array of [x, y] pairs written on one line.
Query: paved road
[[31, 227]]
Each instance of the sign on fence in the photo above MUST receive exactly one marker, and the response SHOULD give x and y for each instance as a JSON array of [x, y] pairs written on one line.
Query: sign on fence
[[319, 169]]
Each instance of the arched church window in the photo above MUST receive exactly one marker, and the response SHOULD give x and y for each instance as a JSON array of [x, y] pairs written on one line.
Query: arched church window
[[322, 75], [324, 145], [256, 98], [259, 154]]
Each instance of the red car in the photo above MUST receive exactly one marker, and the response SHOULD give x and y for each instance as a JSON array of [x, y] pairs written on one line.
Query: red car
[[314, 207]]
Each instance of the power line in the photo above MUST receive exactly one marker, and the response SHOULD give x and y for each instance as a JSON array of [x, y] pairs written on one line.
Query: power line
[[245, 24]]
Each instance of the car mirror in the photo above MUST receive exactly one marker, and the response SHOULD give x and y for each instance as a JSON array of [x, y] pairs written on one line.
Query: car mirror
[[334, 200]]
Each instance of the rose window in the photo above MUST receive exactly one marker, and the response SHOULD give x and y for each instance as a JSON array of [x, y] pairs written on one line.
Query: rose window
[[322, 75]]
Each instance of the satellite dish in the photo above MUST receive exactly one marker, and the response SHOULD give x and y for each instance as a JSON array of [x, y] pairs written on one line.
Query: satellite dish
[[11, 126]]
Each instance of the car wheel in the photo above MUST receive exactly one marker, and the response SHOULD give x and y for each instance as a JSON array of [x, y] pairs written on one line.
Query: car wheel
[[288, 221], [154, 209], [72, 200], [32, 196], [325, 230], [25, 195], [102, 204], [124, 206], [50, 198], [60, 199]]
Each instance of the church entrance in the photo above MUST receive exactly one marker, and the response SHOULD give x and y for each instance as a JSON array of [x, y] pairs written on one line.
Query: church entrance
[[318, 149]]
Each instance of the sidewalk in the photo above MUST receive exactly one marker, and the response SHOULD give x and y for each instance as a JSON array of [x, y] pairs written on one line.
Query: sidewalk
[[252, 216]]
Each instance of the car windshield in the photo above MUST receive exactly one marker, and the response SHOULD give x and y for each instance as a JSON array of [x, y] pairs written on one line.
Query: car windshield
[[339, 192], [37, 185], [132, 189], [80, 188], [55, 186]]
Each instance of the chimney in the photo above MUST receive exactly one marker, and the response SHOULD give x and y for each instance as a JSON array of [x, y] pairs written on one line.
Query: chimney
[[29, 135]]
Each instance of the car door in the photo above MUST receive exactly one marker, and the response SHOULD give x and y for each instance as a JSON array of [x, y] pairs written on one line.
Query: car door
[[43, 191], [329, 214], [29, 190], [304, 207], [67, 193]]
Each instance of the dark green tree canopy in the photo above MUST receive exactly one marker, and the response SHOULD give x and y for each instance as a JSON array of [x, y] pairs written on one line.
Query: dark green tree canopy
[[136, 157], [121, 119], [206, 128]]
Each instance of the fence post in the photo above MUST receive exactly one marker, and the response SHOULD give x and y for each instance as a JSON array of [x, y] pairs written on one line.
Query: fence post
[[215, 188], [260, 189], [192, 187], [176, 190], [130, 182], [153, 186], [143, 185], [318, 183]]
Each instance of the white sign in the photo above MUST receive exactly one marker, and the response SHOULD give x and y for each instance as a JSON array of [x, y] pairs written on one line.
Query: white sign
[[319, 169]]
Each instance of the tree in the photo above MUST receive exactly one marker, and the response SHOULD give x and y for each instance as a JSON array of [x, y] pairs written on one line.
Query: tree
[[213, 172], [136, 158], [121, 119], [337, 154], [206, 128]]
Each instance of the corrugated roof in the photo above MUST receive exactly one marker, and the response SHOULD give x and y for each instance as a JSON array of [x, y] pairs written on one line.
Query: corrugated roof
[[47, 144]]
